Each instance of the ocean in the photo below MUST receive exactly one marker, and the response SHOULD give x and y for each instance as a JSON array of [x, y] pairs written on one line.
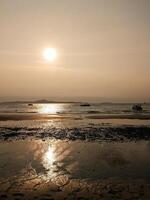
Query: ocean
[[71, 108]]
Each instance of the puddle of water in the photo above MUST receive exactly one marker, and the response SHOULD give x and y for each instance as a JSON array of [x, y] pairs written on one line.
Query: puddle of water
[[77, 160]]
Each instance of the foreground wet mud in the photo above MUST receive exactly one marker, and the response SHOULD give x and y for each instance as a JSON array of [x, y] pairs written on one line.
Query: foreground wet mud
[[57, 169], [76, 189]]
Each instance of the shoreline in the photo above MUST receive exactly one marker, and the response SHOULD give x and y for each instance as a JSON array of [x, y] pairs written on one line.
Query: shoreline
[[33, 116]]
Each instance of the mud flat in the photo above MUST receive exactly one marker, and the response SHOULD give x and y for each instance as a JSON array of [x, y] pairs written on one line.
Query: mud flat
[[57, 169], [37, 116], [74, 159], [89, 133], [80, 190]]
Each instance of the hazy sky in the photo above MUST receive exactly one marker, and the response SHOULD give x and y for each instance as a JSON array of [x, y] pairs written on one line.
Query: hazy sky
[[103, 47]]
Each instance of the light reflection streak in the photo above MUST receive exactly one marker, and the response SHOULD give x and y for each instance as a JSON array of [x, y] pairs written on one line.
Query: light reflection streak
[[49, 157], [50, 108], [52, 158]]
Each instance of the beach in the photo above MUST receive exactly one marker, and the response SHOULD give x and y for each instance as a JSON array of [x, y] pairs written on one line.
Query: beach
[[74, 100], [56, 169], [74, 154]]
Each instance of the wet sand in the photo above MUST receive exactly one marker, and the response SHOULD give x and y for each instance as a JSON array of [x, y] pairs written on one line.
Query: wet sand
[[20, 117], [121, 116], [91, 132], [36, 116], [80, 190], [56, 169], [50, 157]]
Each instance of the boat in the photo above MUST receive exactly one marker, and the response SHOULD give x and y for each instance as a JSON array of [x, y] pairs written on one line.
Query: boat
[[137, 108], [30, 104], [85, 104]]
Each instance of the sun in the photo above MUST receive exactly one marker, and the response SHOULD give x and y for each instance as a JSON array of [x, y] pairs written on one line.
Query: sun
[[50, 54]]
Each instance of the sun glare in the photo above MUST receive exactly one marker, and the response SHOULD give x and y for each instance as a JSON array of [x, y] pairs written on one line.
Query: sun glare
[[50, 54], [48, 109]]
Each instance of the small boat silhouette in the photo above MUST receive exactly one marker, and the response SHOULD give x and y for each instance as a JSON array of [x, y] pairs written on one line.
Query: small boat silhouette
[[137, 107], [85, 104], [30, 104]]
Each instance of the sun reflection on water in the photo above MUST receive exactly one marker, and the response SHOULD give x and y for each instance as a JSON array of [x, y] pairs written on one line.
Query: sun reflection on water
[[52, 158], [48, 160], [49, 156], [49, 108]]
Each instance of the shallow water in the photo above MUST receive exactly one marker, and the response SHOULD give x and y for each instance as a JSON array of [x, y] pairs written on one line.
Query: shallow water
[[70, 108], [51, 159]]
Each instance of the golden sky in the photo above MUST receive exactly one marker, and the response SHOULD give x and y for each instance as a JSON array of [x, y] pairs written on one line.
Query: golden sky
[[103, 49]]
